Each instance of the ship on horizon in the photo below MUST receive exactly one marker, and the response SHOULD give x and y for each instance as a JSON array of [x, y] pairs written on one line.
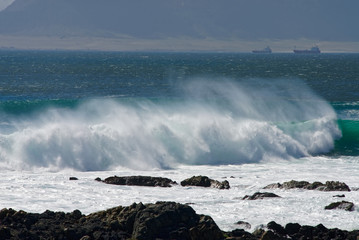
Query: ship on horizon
[[265, 50], [313, 50]]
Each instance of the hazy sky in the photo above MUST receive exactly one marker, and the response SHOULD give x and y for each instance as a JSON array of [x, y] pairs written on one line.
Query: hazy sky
[[5, 3], [225, 20]]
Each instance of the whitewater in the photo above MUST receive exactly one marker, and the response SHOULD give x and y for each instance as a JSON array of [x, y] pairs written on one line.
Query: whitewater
[[250, 131]]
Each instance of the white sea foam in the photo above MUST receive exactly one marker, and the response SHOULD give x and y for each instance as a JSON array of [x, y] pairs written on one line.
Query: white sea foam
[[39, 190], [215, 122]]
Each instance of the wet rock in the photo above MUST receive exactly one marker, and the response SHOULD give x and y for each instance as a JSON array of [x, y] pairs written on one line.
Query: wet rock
[[260, 195], [339, 196], [347, 206], [240, 234], [243, 225], [295, 184], [204, 181], [277, 228], [269, 235], [163, 220], [140, 181], [206, 229], [292, 228], [328, 186], [334, 186]]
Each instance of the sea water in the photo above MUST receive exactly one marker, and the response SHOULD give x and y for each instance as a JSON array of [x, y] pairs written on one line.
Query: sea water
[[249, 119]]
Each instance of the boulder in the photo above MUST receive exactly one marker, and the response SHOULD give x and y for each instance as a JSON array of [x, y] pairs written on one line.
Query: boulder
[[328, 186], [140, 181], [347, 206], [162, 220], [204, 181], [260, 195], [292, 228], [334, 186], [277, 228], [244, 225]]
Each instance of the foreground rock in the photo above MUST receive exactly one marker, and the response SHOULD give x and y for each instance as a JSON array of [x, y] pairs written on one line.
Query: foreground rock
[[260, 195], [347, 206], [163, 220], [274, 231], [328, 186], [203, 181], [139, 181]]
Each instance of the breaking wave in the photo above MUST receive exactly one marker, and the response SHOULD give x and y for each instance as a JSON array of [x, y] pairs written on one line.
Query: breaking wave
[[213, 122]]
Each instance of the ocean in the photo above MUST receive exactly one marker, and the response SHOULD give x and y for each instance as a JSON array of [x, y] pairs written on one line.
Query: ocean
[[251, 119]]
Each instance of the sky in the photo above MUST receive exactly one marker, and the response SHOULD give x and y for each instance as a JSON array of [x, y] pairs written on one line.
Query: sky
[[4, 4], [199, 24]]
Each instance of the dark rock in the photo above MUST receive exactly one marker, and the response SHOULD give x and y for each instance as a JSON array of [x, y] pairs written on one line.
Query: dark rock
[[163, 220], [340, 196], [334, 186], [243, 225], [73, 178], [347, 206], [269, 235], [273, 186], [328, 186], [241, 234], [258, 232], [206, 229], [140, 181], [277, 228], [259, 195], [292, 228], [5, 233], [98, 179], [306, 232], [295, 184], [203, 181]]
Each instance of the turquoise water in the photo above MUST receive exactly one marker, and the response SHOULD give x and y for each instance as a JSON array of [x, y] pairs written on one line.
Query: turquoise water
[[98, 110]]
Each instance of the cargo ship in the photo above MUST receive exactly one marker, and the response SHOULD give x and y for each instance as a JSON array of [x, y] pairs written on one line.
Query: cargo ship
[[313, 50], [265, 50]]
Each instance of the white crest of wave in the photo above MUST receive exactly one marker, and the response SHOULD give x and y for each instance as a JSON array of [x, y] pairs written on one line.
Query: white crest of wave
[[215, 122]]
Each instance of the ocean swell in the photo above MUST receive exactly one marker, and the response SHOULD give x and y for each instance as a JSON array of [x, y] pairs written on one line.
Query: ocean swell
[[214, 122]]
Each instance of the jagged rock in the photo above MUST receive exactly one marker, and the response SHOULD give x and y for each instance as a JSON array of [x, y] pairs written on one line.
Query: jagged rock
[[240, 234], [328, 186], [276, 228], [269, 235], [206, 229], [292, 228], [296, 231], [140, 181], [163, 220], [203, 181], [347, 206], [259, 195], [295, 184], [334, 186]]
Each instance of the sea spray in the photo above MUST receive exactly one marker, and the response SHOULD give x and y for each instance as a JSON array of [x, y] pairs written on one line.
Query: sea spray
[[214, 121]]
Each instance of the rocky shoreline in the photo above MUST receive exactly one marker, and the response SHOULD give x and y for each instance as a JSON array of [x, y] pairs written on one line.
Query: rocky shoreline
[[162, 220], [165, 220]]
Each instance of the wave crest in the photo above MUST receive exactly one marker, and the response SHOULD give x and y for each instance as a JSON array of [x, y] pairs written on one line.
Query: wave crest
[[213, 122]]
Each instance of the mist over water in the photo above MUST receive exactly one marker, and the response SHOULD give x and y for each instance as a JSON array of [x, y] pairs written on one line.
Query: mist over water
[[213, 121]]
